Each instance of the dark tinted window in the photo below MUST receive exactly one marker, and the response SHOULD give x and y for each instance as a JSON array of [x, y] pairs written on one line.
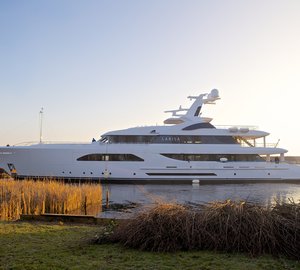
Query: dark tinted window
[[130, 139], [110, 157], [180, 139], [214, 157], [198, 126], [218, 140]]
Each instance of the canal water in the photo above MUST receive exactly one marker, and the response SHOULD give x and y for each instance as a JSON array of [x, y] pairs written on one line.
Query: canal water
[[127, 199]]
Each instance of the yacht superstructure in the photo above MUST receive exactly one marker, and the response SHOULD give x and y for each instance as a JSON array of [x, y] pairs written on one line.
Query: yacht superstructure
[[188, 147]]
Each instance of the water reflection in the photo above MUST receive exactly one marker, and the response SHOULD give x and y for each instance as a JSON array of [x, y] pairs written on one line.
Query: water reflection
[[262, 193]]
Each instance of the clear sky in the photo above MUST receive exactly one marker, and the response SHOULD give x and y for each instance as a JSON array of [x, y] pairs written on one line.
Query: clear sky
[[97, 66]]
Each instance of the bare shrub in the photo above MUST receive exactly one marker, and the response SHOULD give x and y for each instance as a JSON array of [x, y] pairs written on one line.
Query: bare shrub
[[226, 226]]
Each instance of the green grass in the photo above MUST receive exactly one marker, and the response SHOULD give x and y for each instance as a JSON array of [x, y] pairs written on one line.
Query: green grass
[[44, 246]]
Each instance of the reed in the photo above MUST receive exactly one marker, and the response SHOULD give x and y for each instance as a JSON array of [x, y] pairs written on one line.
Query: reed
[[47, 196], [4, 175], [225, 226]]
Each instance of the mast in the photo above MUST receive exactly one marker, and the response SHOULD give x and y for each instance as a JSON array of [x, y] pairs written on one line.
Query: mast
[[194, 112], [41, 123]]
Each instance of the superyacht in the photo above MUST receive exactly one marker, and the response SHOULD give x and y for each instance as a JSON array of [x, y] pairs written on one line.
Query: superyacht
[[187, 148]]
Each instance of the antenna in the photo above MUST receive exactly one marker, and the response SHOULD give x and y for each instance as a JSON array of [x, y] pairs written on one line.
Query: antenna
[[41, 123]]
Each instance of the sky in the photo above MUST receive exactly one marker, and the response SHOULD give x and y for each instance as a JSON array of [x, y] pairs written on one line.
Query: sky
[[97, 66]]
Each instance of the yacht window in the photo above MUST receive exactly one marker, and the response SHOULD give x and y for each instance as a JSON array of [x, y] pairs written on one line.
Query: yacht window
[[198, 111], [198, 126], [170, 139], [218, 140], [110, 157], [104, 140], [130, 139], [214, 157]]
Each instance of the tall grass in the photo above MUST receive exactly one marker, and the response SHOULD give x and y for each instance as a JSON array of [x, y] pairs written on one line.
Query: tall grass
[[39, 197], [226, 226]]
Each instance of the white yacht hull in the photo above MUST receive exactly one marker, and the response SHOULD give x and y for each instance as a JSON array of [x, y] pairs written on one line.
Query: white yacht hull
[[60, 161]]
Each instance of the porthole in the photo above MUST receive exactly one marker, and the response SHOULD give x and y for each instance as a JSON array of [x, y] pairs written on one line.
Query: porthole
[[234, 174]]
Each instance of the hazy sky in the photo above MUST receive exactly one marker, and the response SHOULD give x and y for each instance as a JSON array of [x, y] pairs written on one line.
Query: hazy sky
[[97, 66]]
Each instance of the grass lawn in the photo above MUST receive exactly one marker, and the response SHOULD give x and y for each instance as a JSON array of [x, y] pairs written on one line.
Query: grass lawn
[[43, 246]]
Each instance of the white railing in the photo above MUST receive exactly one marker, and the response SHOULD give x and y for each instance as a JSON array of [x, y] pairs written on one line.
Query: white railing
[[26, 143], [49, 142], [236, 126], [269, 145]]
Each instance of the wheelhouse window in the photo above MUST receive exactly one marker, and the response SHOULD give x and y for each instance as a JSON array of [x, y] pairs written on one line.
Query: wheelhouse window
[[214, 157], [110, 157], [104, 140]]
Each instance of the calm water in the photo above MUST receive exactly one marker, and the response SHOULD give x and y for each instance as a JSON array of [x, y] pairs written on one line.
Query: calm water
[[262, 193]]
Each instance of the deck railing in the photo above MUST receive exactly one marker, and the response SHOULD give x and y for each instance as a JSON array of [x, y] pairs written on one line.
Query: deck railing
[[236, 126], [49, 142]]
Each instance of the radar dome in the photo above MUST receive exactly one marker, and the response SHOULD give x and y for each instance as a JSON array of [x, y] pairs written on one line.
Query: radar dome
[[214, 93]]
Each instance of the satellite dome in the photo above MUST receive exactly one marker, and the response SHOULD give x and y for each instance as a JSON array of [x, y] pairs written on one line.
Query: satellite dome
[[214, 93]]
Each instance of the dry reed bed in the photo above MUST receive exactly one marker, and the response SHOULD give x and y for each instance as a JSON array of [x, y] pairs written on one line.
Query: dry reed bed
[[225, 226], [47, 196]]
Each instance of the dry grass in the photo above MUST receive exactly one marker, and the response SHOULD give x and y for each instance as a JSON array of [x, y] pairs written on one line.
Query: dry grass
[[38, 197], [225, 226]]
